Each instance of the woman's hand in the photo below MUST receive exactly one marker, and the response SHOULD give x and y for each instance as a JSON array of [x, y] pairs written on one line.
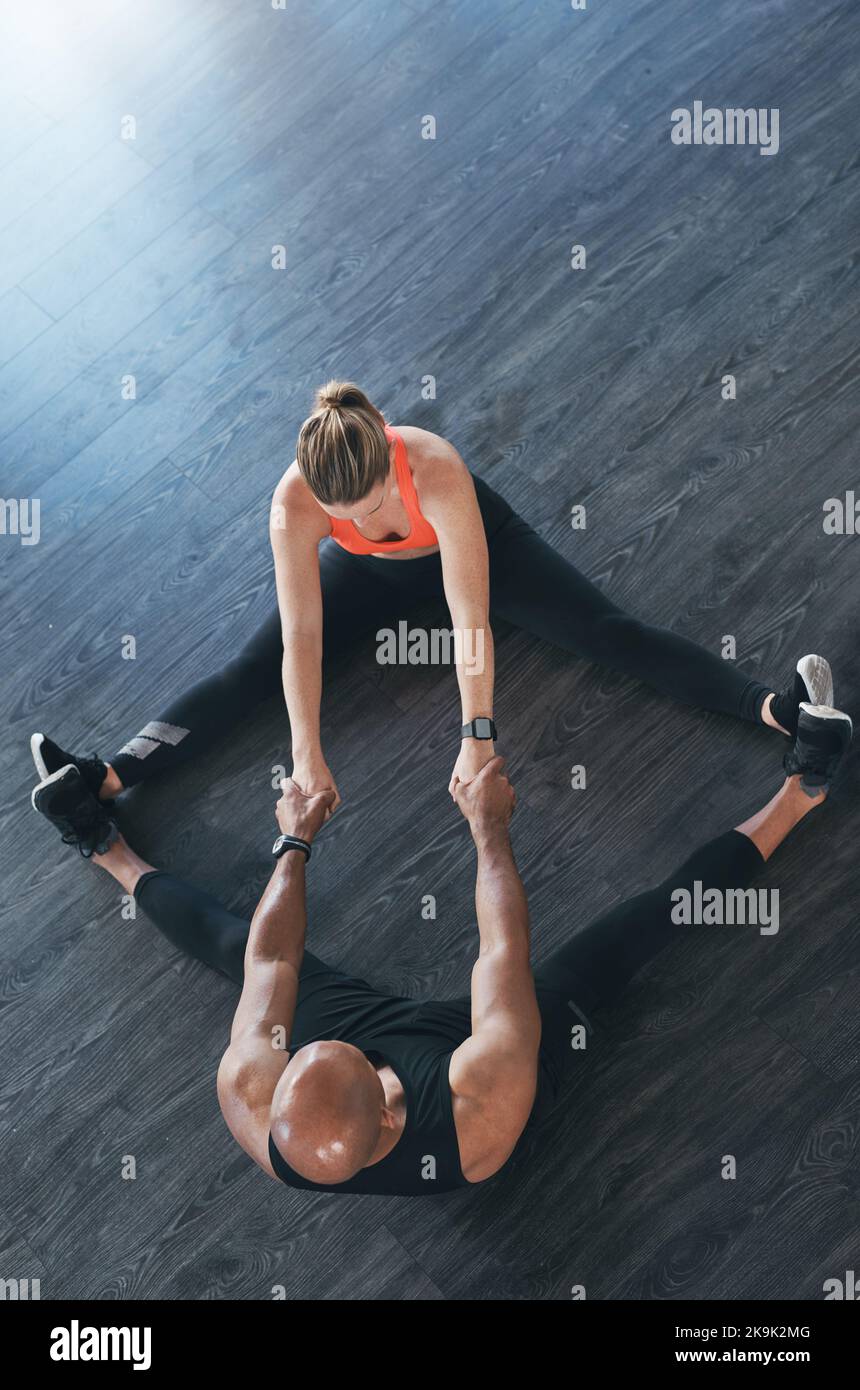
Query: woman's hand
[[300, 814], [313, 775], [488, 801], [475, 753]]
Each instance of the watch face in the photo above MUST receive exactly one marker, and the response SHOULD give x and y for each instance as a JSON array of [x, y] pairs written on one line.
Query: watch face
[[483, 728]]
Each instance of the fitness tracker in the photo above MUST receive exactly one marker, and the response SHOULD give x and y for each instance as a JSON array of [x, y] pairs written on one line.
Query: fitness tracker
[[285, 842], [479, 728]]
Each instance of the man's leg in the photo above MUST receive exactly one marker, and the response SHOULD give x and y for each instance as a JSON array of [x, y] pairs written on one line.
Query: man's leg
[[190, 918], [535, 588], [592, 969]]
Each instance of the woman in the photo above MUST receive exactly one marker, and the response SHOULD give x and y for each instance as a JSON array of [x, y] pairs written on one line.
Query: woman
[[370, 520]]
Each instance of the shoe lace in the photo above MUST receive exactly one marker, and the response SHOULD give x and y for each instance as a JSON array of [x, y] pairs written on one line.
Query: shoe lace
[[87, 826], [93, 764]]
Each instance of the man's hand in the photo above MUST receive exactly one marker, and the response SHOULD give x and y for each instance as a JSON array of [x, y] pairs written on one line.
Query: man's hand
[[312, 775], [299, 814], [487, 801], [474, 755]]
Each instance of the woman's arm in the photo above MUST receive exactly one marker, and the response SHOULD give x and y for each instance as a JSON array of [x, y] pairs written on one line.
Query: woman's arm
[[447, 499], [297, 525]]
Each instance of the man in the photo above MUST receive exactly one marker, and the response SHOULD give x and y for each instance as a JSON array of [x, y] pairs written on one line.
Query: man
[[333, 1085]]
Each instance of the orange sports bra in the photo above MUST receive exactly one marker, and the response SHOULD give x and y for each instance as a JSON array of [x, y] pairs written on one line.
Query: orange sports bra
[[421, 533]]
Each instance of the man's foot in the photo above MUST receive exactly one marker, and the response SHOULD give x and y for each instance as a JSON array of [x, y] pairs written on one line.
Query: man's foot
[[812, 682], [49, 758], [82, 820], [823, 736]]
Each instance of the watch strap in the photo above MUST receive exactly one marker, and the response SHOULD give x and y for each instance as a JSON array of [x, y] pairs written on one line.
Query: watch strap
[[285, 842], [482, 727]]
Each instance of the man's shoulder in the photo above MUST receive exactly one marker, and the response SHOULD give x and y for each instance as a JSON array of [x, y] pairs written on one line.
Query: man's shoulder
[[487, 1120]]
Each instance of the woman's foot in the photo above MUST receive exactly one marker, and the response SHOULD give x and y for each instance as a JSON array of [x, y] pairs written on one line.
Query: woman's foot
[[121, 862], [64, 799], [823, 736], [98, 777], [822, 740], [811, 683], [83, 820]]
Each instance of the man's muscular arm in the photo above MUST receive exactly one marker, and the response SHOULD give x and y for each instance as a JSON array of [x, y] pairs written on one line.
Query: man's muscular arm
[[493, 1074], [259, 1039]]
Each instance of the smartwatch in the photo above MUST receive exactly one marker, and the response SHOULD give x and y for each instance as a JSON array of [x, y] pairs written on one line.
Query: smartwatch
[[479, 728], [285, 842]]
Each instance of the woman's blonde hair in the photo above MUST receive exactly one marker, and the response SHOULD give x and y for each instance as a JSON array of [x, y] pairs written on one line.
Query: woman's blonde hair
[[342, 450]]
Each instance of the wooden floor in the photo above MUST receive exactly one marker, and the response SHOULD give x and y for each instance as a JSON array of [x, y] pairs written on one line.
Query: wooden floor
[[406, 259]]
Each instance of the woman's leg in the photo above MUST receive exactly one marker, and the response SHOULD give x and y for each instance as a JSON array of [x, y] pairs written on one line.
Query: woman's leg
[[355, 601], [594, 966], [535, 588], [202, 714]]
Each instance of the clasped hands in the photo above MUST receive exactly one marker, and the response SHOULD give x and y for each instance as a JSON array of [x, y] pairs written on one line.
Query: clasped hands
[[478, 787]]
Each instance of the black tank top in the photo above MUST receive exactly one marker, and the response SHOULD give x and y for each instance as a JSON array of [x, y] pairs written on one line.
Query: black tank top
[[416, 1040]]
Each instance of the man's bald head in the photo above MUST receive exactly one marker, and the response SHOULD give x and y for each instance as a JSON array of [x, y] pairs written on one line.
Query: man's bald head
[[328, 1112]]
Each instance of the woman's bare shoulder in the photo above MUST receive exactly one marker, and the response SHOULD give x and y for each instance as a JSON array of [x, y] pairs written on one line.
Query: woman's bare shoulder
[[428, 451], [291, 485], [293, 503]]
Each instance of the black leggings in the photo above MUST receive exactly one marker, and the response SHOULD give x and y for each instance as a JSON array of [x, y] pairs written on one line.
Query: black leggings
[[531, 586], [587, 972]]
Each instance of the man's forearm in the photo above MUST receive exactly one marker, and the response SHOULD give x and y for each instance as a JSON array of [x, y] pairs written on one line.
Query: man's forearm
[[273, 955], [279, 924], [500, 898]]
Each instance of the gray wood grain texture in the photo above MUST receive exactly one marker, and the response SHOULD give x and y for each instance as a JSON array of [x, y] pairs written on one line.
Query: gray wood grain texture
[[406, 258]]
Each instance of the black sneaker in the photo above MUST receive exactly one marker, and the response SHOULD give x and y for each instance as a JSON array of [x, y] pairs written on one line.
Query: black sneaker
[[811, 683], [49, 758], [823, 736], [82, 820]]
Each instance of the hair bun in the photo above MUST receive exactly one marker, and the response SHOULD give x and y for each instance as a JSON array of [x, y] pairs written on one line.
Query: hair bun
[[342, 451], [341, 393]]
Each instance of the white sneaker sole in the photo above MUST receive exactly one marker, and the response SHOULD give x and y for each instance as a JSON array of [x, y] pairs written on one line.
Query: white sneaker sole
[[36, 742], [817, 676], [827, 713], [54, 777]]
